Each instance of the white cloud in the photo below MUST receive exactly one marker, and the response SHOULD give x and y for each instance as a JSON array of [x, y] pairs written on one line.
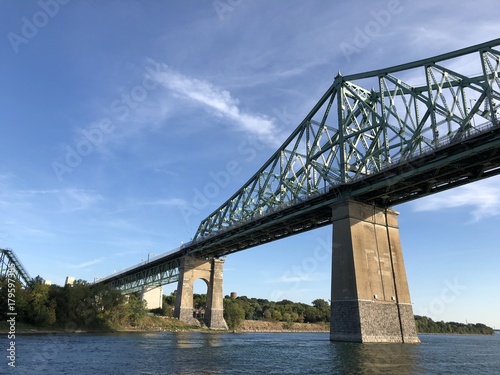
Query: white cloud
[[76, 199], [482, 197], [86, 264], [173, 202], [298, 277], [219, 101], [295, 278], [68, 200]]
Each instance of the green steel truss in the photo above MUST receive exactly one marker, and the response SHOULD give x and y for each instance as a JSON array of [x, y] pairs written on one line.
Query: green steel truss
[[8, 258], [148, 274], [367, 123], [382, 137]]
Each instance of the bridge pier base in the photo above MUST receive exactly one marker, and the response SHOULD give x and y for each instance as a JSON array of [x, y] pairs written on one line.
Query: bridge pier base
[[370, 296], [210, 271]]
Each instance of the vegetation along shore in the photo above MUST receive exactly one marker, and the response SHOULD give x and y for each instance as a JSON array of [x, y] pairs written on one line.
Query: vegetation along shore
[[85, 307]]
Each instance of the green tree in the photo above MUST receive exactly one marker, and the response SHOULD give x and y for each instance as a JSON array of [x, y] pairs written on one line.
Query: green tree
[[135, 309], [311, 315], [234, 314], [276, 315], [170, 300], [268, 314], [199, 301], [323, 307], [109, 305], [427, 325], [42, 310]]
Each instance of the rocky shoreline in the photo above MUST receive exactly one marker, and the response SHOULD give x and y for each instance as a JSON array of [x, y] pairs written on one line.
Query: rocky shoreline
[[266, 326], [162, 324]]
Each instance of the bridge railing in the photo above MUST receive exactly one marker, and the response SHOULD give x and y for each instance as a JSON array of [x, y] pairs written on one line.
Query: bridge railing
[[439, 144]]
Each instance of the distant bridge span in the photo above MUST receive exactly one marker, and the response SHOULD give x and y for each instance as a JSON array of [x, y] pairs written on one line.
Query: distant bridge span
[[379, 138], [11, 265]]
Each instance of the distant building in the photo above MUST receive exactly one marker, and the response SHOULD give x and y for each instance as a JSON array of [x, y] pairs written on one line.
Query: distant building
[[70, 280]]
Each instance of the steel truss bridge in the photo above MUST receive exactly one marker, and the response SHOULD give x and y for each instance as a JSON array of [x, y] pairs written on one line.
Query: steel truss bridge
[[10, 263], [382, 137]]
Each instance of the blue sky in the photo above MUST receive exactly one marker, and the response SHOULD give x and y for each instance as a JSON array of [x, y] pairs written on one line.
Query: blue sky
[[118, 118]]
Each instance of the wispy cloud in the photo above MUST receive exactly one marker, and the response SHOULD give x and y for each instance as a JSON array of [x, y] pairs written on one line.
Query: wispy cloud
[[171, 202], [482, 197], [76, 199], [129, 252], [218, 101], [295, 278], [66, 200], [299, 277], [86, 264]]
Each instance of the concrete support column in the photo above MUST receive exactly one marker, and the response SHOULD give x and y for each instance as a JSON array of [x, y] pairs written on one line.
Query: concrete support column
[[153, 296], [370, 295], [214, 314], [210, 271]]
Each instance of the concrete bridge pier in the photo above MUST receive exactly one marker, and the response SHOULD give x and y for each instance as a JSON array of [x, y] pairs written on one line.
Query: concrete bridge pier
[[370, 295], [210, 271], [153, 295]]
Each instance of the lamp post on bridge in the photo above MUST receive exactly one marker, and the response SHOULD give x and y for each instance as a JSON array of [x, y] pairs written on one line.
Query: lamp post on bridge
[[149, 255]]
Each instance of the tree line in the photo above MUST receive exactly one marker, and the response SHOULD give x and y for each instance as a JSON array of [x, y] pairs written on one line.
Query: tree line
[[243, 308], [427, 325], [79, 306], [101, 307]]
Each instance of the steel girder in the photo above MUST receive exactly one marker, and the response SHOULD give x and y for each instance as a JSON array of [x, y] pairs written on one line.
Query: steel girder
[[146, 274], [7, 258], [355, 133], [422, 128]]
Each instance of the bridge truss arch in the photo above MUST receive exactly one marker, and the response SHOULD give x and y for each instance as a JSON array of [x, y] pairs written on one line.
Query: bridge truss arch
[[364, 125]]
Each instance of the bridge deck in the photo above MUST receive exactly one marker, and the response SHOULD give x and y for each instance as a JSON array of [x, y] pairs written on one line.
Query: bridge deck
[[346, 148], [452, 165]]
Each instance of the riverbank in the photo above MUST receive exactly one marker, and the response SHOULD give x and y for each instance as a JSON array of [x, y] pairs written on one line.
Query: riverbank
[[147, 324], [165, 324], [269, 326], [156, 323]]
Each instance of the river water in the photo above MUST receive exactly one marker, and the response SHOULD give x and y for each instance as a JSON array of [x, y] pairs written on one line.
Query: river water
[[246, 353]]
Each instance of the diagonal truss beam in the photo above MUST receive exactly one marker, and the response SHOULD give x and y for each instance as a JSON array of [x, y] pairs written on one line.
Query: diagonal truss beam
[[8, 258], [154, 274], [355, 132], [377, 137]]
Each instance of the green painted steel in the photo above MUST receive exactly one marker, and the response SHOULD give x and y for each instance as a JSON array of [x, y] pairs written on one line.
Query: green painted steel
[[367, 123], [144, 274], [8, 258], [382, 137]]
